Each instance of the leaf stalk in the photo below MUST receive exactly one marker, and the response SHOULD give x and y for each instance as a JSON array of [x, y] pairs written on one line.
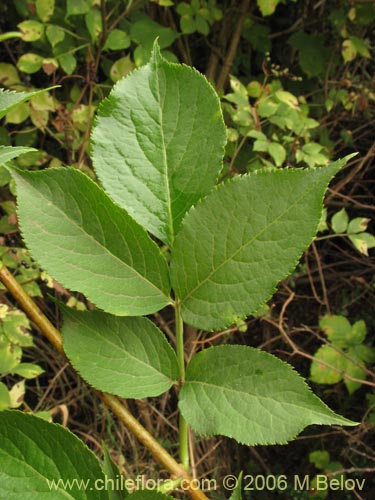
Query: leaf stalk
[[180, 351]]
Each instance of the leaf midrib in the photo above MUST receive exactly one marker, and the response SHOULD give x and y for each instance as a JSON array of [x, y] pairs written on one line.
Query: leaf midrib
[[232, 256], [87, 235], [251, 395], [165, 164]]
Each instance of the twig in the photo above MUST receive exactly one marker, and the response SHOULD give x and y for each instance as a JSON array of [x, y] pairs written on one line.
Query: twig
[[112, 402], [321, 276], [233, 46]]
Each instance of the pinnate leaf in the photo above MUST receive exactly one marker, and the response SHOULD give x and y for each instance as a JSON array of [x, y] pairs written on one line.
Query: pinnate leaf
[[129, 357], [89, 244], [33, 452], [237, 244], [249, 395], [158, 143]]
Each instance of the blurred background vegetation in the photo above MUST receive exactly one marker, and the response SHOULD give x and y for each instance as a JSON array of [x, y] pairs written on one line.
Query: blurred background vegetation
[[296, 80]]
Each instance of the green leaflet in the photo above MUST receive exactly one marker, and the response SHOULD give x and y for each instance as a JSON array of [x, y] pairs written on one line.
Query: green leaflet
[[158, 143], [9, 99], [249, 395], [8, 153], [89, 244], [33, 452], [238, 243], [129, 357]]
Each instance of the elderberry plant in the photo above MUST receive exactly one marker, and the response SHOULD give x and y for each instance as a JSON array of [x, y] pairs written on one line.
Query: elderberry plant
[[157, 148]]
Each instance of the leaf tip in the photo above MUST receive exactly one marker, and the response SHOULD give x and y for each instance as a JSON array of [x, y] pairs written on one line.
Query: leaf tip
[[156, 57]]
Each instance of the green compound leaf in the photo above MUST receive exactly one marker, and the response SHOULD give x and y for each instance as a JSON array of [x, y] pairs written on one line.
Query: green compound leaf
[[9, 99], [129, 357], [158, 143], [34, 452], [238, 243], [249, 395], [89, 244]]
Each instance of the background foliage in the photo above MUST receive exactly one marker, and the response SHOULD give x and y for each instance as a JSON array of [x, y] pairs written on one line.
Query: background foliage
[[297, 86]]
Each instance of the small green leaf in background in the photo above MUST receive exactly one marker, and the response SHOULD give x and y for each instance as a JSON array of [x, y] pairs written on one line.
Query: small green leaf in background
[[267, 7], [28, 370], [237, 244], [354, 46], [278, 153], [346, 353], [121, 68], [337, 328], [17, 394], [8, 75], [362, 242], [249, 395], [4, 397], [45, 9], [77, 7], [117, 40], [68, 63], [129, 357], [94, 24], [319, 458], [31, 30], [55, 34], [15, 325], [158, 143], [84, 245], [18, 114], [340, 221], [145, 31], [30, 63], [10, 355], [322, 374], [357, 225], [33, 452]]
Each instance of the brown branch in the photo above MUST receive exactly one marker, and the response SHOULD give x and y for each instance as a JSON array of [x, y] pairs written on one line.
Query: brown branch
[[225, 70], [112, 402]]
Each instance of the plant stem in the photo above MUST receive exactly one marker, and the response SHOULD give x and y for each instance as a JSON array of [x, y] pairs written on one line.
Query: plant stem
[[184, 441]]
